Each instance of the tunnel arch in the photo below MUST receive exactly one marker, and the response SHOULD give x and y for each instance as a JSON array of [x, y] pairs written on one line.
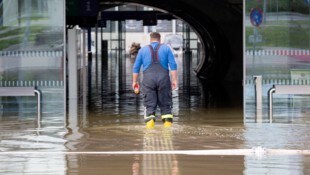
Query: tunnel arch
[[218, 26]]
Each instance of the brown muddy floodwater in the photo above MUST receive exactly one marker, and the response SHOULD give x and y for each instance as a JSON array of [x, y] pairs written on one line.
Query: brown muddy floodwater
[[130, 148], [107, 136]]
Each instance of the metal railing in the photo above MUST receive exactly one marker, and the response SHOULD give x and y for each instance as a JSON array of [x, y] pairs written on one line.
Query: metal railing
[[24, 91], [285, 89]]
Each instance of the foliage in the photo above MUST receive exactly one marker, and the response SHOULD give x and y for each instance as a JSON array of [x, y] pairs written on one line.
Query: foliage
[[278, 6]]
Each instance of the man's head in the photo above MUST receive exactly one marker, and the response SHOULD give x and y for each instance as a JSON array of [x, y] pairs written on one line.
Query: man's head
[[155, 36]]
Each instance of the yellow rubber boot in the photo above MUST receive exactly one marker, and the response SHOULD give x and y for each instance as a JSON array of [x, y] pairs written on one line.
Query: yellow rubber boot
[[167, 124], [150, 124], [167, 119]]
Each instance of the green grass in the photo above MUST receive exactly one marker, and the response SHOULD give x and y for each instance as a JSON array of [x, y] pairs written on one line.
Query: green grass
[[295, 36], [17, 34], [7, 43]]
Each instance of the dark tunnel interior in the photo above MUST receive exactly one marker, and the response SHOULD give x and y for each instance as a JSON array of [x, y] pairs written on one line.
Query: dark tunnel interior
[[217, 23]]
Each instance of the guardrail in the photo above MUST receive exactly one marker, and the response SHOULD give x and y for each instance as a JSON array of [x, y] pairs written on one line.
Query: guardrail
[[285, 89], [32, 53], [41, 83], [24, 91]]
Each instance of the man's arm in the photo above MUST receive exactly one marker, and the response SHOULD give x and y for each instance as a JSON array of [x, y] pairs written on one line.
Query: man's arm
[[136, 69], [174, 79], [134, 79], [173, 70]]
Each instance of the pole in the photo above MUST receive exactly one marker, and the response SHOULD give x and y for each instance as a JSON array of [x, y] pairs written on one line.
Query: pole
[[264, 11], [89, 39], [254, 47], [89, 61], [96, 52], [277, 10], [258, 98]]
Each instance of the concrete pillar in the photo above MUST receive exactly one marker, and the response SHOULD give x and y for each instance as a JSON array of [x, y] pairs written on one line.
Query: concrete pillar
[[72, 63]]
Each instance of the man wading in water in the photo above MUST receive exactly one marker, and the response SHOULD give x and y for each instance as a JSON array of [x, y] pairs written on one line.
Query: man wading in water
[[157, 59]]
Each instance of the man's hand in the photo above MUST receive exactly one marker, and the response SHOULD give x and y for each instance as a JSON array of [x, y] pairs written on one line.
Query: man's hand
[[135, 84], [174, 84], [136, 88]]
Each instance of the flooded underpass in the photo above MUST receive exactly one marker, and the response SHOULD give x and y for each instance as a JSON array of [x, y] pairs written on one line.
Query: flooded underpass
[[105, 134]]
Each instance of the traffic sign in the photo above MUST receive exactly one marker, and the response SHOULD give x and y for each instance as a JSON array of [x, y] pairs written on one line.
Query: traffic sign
[[256, 16]]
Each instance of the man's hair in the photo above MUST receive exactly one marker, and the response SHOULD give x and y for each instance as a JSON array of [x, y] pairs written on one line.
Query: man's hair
[[155, 35]]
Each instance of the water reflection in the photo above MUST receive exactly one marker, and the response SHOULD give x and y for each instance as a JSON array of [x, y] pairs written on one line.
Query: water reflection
[[33, 164], [49, 153], [159, 140], [73, 134], [112, 121], [277, 165]]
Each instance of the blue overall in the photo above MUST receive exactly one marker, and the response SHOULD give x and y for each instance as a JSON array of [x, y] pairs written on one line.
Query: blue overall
[[156, 86]]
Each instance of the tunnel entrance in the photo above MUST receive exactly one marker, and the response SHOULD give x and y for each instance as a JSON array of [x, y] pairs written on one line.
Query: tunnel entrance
[[111, 70], [112, 61], [34, 46]]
